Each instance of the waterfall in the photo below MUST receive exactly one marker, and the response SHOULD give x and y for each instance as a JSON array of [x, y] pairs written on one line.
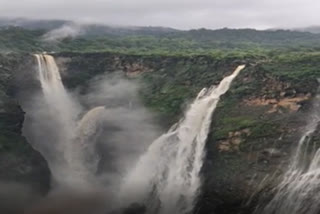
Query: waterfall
[[167, 177], [54, 129], [299, 190]]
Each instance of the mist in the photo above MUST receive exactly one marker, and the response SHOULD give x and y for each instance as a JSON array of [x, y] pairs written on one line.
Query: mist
[[70, 30], [17, 198], [90, 140], [128, 128]]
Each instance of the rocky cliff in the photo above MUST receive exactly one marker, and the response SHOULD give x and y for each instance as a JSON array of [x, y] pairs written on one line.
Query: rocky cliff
[[19, 162], [255, 127]]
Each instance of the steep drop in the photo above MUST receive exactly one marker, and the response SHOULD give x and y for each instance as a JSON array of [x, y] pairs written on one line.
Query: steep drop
[[299, 190], [53, 128], [167, 177]]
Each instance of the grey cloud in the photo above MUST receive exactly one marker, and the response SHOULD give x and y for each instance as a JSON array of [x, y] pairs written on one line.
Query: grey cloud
[[183, 14]]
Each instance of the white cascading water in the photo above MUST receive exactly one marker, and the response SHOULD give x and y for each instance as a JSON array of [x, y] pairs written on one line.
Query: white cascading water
[[167, 177], [299, 191], [72, 158]]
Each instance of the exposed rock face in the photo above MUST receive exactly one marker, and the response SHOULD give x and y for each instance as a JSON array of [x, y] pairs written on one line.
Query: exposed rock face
[[19, 162], [77, 69], [132, 69], [282, 103], [253, 133], [232, 143]]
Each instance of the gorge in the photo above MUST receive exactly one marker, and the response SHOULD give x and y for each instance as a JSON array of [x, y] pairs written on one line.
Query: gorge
[[159, 107], [68, 144], [240, 166]]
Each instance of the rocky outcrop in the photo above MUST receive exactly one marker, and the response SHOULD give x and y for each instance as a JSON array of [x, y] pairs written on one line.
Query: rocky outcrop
[[278, 96], [232, 143], [292, 104], [77, 69]]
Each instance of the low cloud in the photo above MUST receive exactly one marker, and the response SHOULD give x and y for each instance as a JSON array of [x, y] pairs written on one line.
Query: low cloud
[[66, 31]]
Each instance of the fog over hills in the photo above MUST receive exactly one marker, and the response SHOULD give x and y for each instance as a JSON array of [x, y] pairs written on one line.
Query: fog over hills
[[27, 34], [98, 28], [86, 28], [33, 24]]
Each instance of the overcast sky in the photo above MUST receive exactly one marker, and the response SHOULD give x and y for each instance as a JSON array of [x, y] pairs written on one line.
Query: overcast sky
[[182, 14]]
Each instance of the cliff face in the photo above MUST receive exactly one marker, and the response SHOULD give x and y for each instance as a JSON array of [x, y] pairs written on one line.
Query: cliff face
[[255, 126], [19, 162], [168, 83], [254, 131]]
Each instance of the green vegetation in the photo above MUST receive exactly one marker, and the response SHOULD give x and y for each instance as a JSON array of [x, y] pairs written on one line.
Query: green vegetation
[[231, 124], [157, 41], [295, 66], [196, 42], [14, 39], [184, 62], [177, 81], [174, 67]]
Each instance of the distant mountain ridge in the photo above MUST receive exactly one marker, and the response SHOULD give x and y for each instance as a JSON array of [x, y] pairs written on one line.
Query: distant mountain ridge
[[27, 35], [91, 29]]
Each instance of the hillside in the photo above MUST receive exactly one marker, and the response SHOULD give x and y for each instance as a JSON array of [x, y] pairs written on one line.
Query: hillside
[[153, 40]]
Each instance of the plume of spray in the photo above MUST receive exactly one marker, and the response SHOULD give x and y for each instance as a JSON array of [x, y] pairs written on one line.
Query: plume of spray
[[86, 152], [55, 131], [128, 128], [101, 146], [167, 176], [70, 30], [15, 197]]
